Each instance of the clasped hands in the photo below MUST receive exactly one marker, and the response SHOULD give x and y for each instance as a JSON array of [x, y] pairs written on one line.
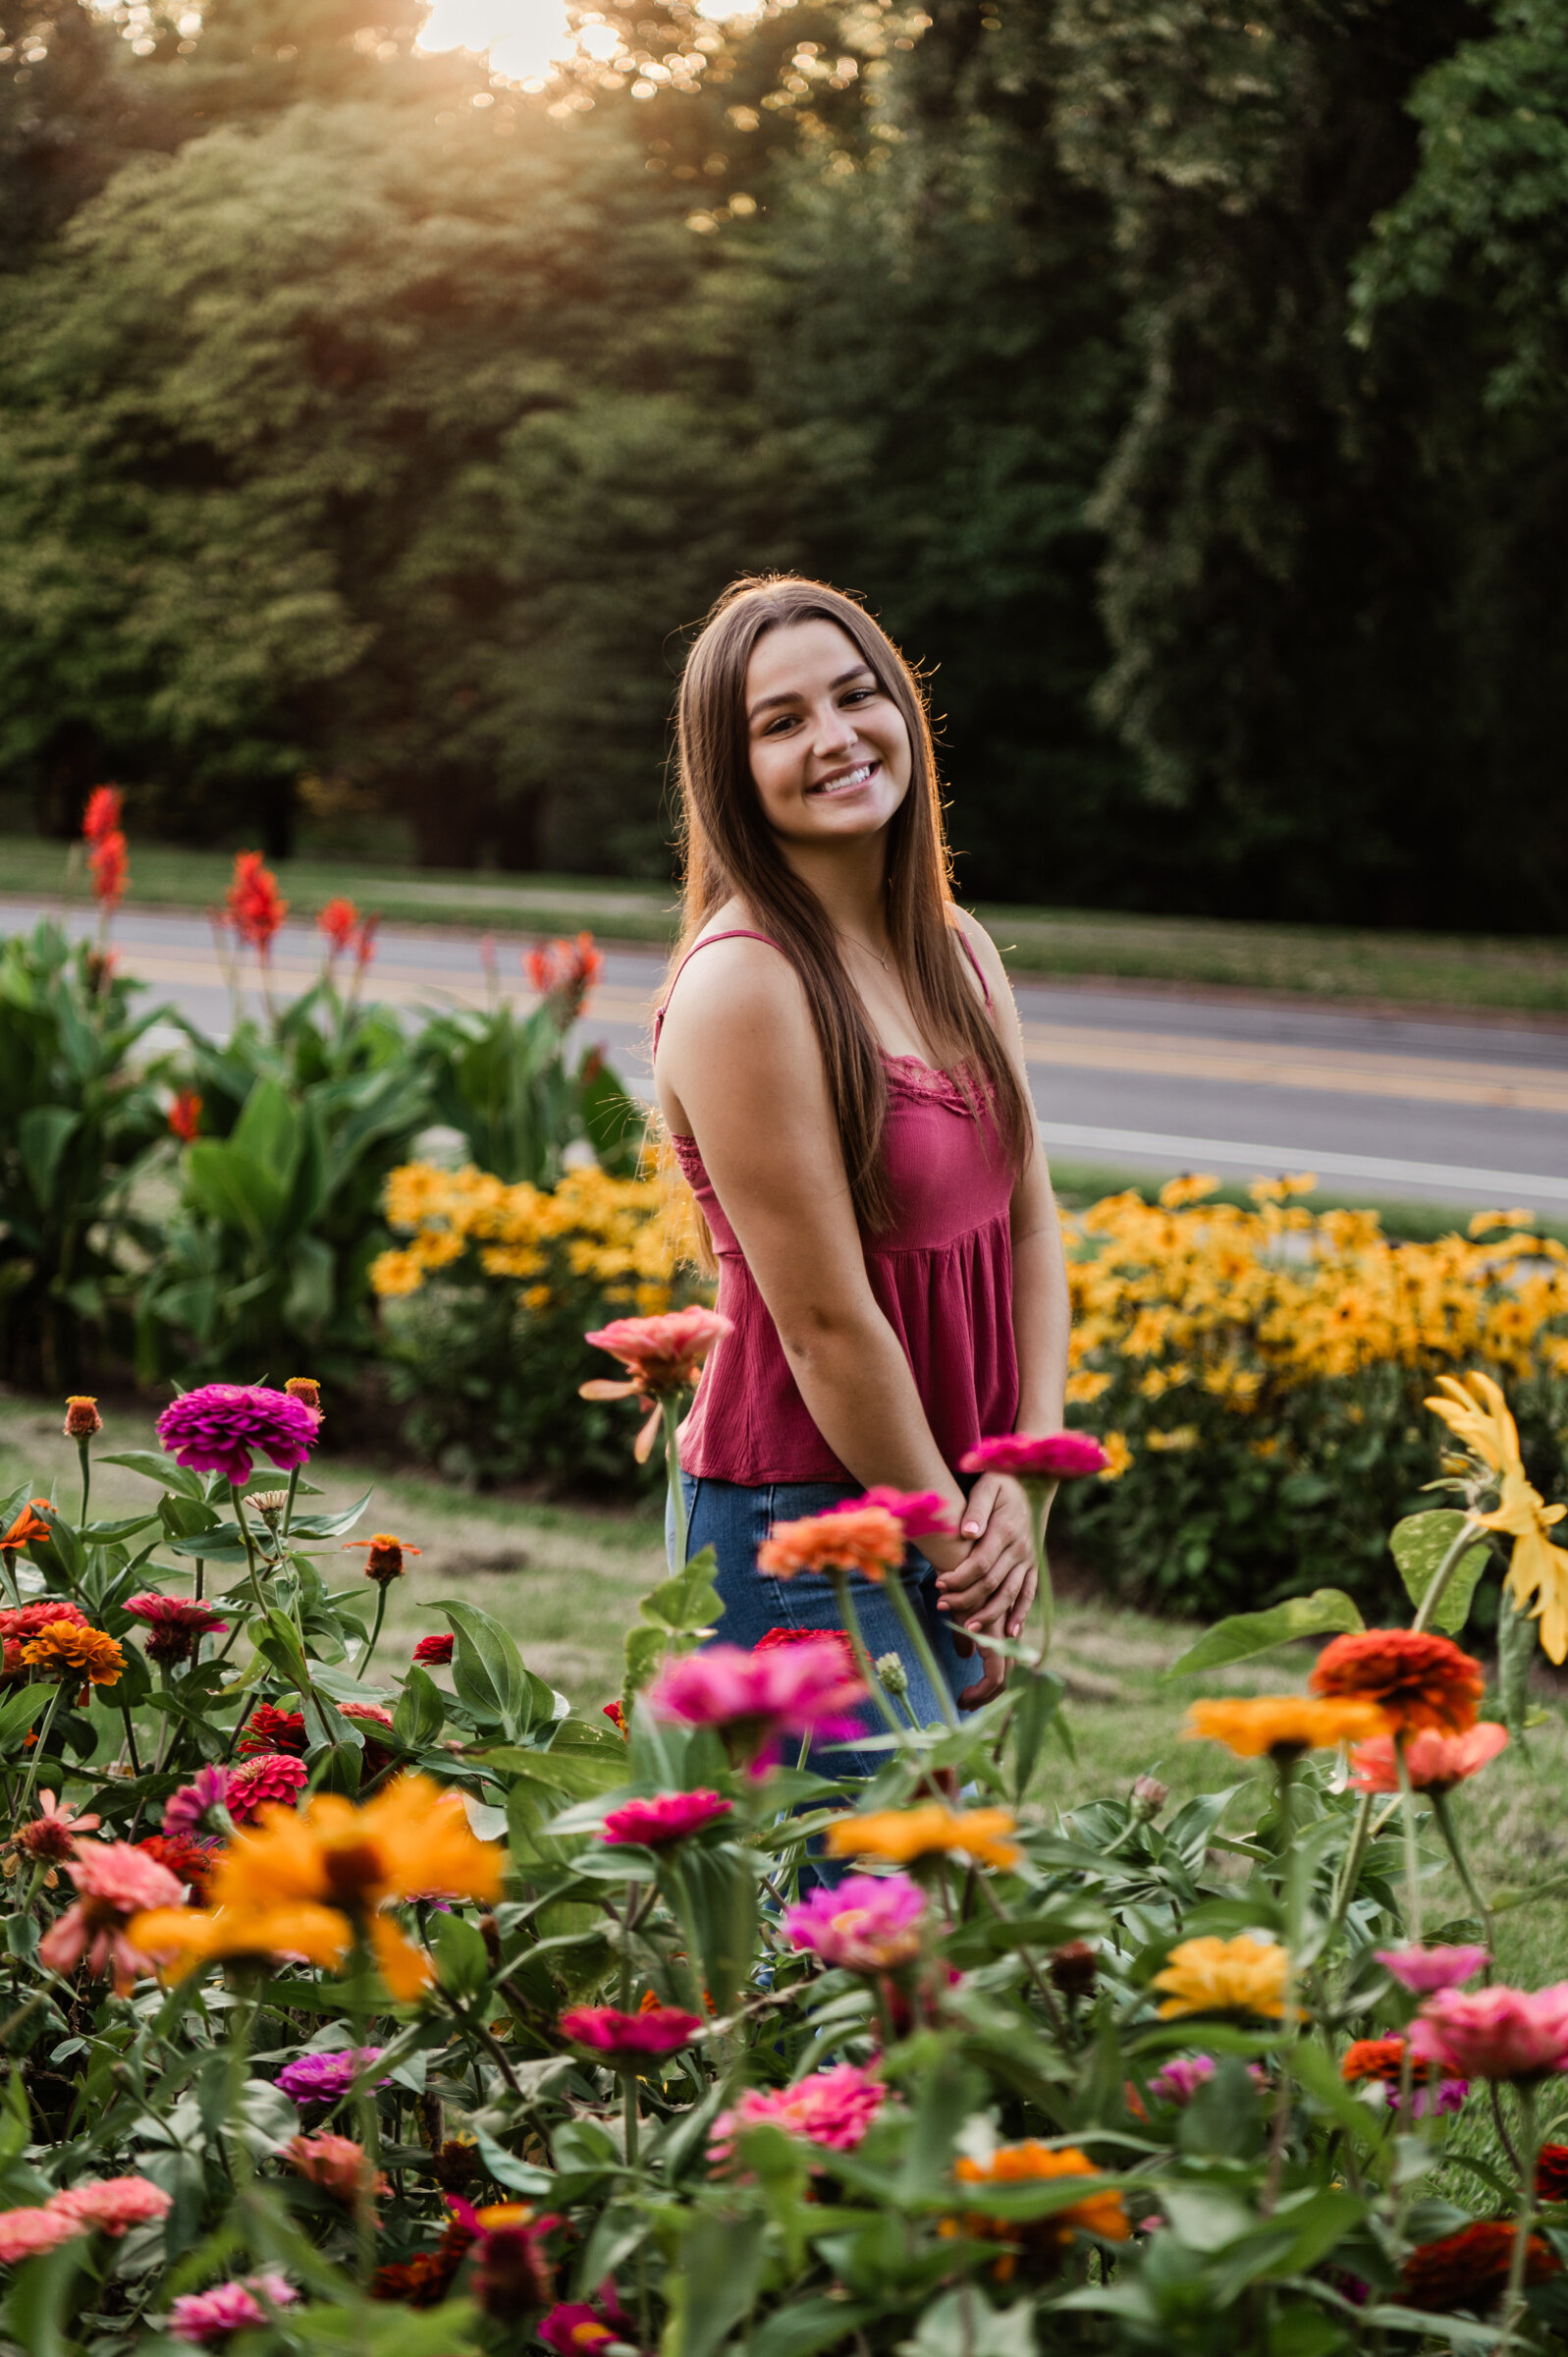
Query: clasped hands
[[990, 1589]]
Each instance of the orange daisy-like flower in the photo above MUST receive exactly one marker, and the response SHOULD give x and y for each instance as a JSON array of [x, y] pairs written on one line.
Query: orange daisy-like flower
[[384, 1555], [871, 1541], [1040, 2242], [1284, 1725], [28, 1528], [1416, 1677], [1382, 2059], [73, 1652], [905, 1835]]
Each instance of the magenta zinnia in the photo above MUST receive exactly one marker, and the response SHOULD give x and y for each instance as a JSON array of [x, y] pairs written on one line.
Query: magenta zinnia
[[867, 1923], [921, 1514], [832, 2106], [174, 1626], [271, 1780], [222, 1426], [756, 1697], [668, 1817], [630, 2037], [1032, 1457]]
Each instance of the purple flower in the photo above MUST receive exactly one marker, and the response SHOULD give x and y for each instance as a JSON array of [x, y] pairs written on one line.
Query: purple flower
[[221, 1427], [186, 1811], [323, 2078]]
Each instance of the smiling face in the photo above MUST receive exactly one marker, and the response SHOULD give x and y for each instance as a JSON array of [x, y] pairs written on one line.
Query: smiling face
[[830, 749]]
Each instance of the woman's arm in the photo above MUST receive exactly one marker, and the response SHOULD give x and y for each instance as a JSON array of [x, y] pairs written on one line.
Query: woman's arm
[[739, 1065]]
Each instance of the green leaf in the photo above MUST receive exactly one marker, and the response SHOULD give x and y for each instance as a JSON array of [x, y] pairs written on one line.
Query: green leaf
[[17, 1713], [43, 1135], [806, 2326], [233, 1189], [688, 1603], [16, 2122], [723, 1889], [461, 1954], [487, 1668], [40, 2301], [422, 1711], [329, 1526], [1419, 1545], [1516, 1652], [1040, 1694], [162, 1470], [1321, 1613], [715, 2283]]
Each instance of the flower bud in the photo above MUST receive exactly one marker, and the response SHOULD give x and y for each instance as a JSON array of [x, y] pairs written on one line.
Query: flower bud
[[1149, 1797], [271, 1505], [893, 1673], [82, 1419], [1073, 1968], [306, 1390]]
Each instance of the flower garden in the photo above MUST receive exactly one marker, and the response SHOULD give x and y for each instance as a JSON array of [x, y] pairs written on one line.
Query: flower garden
[[373, 1999]]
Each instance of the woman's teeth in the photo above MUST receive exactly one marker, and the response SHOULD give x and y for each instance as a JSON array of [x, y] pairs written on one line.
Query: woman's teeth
[[850, 777]]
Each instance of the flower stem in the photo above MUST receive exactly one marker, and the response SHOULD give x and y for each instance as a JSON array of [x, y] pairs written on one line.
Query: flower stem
[[1528, 2149], [857, 1646], [1290, 1891], [50, 1709], [1040, 1493], [1407, 1797], [288, 1512], [1442, 1811], [375, 1633], [84, 1457], [670, 1408], [903, 1606]]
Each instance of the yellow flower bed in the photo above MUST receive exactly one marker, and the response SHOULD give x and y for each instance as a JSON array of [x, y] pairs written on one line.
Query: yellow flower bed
[[614, 1233]]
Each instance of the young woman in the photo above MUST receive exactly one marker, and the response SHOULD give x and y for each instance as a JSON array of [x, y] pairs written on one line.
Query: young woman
[[841, 1069]]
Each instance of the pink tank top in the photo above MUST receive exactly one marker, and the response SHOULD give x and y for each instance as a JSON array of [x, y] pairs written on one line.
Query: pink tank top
[[941, 1276]]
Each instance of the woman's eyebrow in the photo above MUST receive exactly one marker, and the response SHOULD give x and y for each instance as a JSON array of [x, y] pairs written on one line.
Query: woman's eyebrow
[[791, 695]]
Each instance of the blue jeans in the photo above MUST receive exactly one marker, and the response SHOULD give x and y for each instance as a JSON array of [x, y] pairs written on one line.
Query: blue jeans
[[733, 1520]]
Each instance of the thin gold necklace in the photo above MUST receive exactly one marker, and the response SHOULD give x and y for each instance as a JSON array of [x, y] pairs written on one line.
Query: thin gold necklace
[[881, 956]]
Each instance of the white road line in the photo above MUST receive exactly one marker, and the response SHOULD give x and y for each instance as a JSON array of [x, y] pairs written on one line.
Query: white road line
[[1188, 1153]]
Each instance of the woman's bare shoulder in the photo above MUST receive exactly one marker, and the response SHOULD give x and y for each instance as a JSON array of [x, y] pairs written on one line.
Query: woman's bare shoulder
[[730, 980], [986, 952]]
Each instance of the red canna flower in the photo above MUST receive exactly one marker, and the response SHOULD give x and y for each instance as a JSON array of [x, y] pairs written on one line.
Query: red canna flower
[[109, 865], [339, 920], [184, 1116], [564, 974], [102, 816], [256, 906]]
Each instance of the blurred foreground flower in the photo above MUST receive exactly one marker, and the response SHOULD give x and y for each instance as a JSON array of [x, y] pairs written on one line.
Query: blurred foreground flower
[[867, 1539], [1284, 1725], [754, 1698], [1044, 1457], [832, 2107], [255, 905], [336, 2164], [906, 1835], [1470, 2268], [1495, 2033], [1041, 2241], [1224, 1976], [209, 2319], [113, 1882], [1423, 1970], [867, 1923], [1417, 1678], [1434, 1763], [323, 2078]]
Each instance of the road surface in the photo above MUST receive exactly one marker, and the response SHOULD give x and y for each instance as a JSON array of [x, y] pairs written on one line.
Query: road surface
[[1460, 1110]]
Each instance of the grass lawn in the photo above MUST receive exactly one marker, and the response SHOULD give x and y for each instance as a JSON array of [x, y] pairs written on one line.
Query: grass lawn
[[1412, 968]]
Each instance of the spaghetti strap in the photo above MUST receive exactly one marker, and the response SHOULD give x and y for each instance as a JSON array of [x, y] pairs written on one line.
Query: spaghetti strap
[[968, 952], [737, 933]]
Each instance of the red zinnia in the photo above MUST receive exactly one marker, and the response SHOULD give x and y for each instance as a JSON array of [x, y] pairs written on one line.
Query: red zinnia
[[1470, 2268], [192, 1860], [184, 1116], [1551, 2173], [272, 1729], [1417, 1678], [434, 1652], [272, 1779], [810, 1636]]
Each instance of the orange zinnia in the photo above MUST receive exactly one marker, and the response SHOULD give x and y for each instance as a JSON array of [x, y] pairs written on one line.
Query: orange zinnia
[[1283, 1726], [870, 1540], [26, 1527], [1039, 2240], [903, 1836], [72, 1651], [1416, 1677]]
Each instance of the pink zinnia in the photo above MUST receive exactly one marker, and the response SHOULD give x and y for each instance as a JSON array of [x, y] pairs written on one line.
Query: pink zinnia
[[186, 1811], [1046, 1457], [668, 1817], [921, 1511], [1435, 1762], [26, 2232], [1425, 1970], [222, 1427], [113, 2204], [269, 1780], [205, 2316], [336, 2163], [115, 1880], [1493, 2034], [55, 1830], [175, 1624], [625, 2037], [660, 1355], [577, 2328], [1184, 2074], [867, 1923], [796, 1689], [834, 2108]]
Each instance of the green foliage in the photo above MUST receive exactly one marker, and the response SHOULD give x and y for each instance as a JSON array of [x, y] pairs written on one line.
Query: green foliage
[[502, 1080], [76, 1126], [264, 1258]]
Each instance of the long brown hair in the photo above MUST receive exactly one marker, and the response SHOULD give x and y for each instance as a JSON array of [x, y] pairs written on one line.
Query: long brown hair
[[730, 850]]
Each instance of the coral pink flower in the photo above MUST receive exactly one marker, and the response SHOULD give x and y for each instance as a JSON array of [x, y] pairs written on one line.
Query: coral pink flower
[[175, 1623], [867, 1923], [832, 2106], [433, 1653], [861, 1538], [660, 1355], [1044, 1457], [921, 1513], [221, 1427], [256, 906], [207, 2319], [629, 2037], [271, 1780], [756, 1697], [1425, 1970], [24, 2232], [336, 2163], [668, 1817], [53, 1832], [113, 2204], [24, 1621], [115, 1880], [1493, 2034], [1435, 1762]]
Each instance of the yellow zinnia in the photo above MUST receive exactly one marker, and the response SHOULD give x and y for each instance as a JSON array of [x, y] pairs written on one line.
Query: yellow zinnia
[[1283, 1726], [1224, 1976], [304, 1883], [903, 1836]]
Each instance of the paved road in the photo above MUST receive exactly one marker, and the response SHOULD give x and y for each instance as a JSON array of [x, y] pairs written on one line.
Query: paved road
[[1460, 1110]]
